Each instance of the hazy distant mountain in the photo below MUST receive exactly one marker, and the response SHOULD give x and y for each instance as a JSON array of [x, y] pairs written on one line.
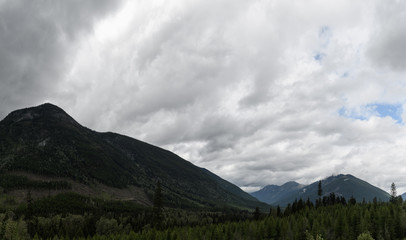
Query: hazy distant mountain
[[342, 185], [272, 193], [44, 142], [404, 196]]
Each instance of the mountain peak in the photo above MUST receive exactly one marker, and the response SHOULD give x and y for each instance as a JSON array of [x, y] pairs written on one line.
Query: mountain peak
[[43, 112], [49, 106], [291, 184], [272, 187], [270, 193]]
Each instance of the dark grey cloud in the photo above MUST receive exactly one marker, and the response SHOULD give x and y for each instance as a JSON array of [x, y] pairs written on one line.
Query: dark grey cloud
[[388, 48], [37, 42]]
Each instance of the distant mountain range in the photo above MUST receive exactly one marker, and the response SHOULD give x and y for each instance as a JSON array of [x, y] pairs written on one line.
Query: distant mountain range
[[44, 147], [342, 185], [273, 193]]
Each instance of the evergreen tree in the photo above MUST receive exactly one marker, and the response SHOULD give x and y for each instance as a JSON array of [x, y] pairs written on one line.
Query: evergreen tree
[[257, 213], [309, 204], [352, 200], [319, 193], [270, 211], [278, 211], [319, 190], [393, 198], [288, 210]]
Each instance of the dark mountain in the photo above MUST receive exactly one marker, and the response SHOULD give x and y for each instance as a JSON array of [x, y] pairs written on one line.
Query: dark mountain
[[342, 185], [44, 142], [272, 193]]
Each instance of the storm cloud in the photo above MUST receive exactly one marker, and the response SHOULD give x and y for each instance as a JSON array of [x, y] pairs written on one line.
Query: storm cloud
[[259, 92], [37, 42]]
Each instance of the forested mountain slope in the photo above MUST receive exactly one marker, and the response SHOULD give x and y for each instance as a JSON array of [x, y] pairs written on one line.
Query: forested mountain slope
[[45, 141]]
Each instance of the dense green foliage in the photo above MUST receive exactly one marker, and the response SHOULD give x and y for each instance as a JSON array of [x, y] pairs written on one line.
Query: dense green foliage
[[382, 221], [71, 216]]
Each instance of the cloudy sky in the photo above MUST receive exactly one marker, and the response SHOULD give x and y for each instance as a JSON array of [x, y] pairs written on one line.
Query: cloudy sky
[[257, 91]]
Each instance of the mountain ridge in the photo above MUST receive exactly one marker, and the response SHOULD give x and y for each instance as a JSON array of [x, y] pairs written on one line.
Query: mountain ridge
[[45, 140], [345, 185], [271, 193]]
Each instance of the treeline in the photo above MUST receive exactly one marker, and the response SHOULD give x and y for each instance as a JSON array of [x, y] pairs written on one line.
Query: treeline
[[324, 201], [116, 220], [71, 215], [359, 221], [355, 221], [74, 216]]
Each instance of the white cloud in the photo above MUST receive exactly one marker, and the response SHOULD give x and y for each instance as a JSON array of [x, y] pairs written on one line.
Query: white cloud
[[234, 86]]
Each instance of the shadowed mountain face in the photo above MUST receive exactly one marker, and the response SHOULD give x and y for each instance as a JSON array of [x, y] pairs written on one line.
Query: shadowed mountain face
[[272, 193], [341, 185], [46, 141]]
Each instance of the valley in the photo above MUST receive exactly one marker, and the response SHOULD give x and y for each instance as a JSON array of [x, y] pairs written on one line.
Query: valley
[[59, 178]]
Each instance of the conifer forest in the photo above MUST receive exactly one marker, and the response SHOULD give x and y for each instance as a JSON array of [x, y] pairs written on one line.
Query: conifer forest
[[72, 216]]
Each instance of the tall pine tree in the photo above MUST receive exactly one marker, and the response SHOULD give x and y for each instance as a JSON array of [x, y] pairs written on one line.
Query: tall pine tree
[[257, 213], [319, 193], [319, 190], [393, 197]]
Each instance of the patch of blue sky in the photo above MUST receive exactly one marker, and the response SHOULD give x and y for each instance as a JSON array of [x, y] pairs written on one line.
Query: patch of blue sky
[[374, 109], [324, 30], [345, 75], [325, 35], [318, 57], [392, 110]]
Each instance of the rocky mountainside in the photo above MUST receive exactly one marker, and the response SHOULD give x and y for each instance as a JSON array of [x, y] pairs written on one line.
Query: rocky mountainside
[[44, 142]]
